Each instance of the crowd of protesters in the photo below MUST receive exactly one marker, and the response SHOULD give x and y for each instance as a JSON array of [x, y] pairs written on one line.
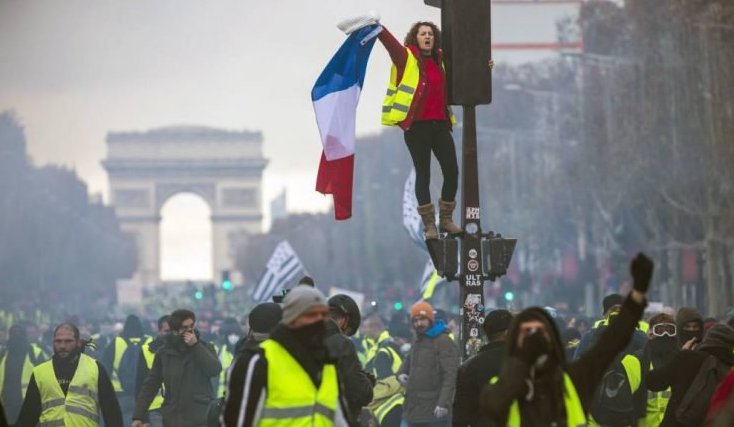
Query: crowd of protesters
[[312, 360]]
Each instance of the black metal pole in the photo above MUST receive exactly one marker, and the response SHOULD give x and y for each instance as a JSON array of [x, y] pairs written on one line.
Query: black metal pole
[[471, 268]]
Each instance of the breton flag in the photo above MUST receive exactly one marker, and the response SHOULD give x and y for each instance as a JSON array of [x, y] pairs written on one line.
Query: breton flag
[[411, 220], [429, 280], [335, 96], [281, 268]]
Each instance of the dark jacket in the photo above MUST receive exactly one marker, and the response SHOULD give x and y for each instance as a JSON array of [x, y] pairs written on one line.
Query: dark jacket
[[186, 373], [357, 383], [586, 373], [31, 410], [681, 371], [431, 367], [471, 378], [248, 377]]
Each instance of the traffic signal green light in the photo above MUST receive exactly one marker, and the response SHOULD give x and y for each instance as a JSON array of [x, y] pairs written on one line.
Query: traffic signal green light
[[226, 281], [509, 296], [398, 305], [199, 295]]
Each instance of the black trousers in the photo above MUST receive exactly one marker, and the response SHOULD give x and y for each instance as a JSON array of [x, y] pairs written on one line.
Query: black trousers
[[422, 138]]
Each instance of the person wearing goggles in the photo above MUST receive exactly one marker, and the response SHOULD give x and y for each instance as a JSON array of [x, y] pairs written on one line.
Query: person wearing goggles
[[663, 330]]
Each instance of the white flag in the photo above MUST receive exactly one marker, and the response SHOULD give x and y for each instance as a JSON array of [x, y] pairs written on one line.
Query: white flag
[[411, 220], [281, 268]]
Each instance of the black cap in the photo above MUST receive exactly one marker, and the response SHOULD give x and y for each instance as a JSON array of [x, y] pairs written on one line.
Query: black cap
[[497, 321], [264, 317], [611, 300]]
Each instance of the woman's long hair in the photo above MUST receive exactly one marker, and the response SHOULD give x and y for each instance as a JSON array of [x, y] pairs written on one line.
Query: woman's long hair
[[412, 37]]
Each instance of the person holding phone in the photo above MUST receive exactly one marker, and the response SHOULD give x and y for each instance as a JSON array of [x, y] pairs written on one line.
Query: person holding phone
[[185, 366]]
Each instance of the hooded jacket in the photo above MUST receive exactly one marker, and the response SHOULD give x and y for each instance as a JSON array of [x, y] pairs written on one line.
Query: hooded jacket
[[546, 404], [681, 371], [687, 315]]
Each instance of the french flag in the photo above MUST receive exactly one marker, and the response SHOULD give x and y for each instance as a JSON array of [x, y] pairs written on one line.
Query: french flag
[[335, 96]]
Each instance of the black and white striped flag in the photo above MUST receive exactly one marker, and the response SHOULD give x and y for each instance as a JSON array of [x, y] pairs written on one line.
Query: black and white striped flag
[[281, 268]]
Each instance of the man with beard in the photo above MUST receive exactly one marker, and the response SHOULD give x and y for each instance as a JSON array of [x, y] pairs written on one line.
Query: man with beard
[[184, 366], [689, 323], [16, 367], [659, 350], [290, 378], [70, 389], [536, 387], [429, 372]]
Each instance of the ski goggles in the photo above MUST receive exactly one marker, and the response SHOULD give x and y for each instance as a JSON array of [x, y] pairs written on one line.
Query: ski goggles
[[664, 329]]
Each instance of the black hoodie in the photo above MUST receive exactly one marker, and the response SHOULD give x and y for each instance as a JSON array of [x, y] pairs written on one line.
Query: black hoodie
[[547, 404]]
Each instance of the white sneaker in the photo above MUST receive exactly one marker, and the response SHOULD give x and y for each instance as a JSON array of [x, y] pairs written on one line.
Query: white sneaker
[[351, 25]]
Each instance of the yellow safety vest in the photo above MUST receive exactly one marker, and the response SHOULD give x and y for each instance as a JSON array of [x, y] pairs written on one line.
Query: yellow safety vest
[[80, 406], [120, 347], [149, 358], [388, 394], [633, 369], [291, 397], [382, 347], [225, 358], [575, 415], [399, 96], [641, 325], [25, 376], [657, 402], [384, 408]]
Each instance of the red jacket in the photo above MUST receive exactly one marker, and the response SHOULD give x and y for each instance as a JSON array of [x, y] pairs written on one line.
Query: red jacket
[[427, 104]]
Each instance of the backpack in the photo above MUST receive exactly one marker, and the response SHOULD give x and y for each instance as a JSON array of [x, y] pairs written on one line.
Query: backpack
[[695, 403], [128, 370], [613, 403]]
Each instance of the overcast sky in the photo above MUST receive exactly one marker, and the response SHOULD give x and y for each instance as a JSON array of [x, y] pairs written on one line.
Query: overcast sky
[[75, 70]]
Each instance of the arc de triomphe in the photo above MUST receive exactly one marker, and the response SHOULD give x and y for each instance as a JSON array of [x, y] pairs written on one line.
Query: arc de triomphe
[[223, 167]]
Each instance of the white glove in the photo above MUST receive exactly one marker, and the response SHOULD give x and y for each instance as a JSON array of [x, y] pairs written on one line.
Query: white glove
[[403, 379], [440, 412], [353, 24]]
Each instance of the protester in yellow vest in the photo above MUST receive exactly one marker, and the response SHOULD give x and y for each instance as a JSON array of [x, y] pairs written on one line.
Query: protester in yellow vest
[[536, 386], [290, 379], [149, 350], [122, 372], [416, 101], [230, 334], [16, 367], [71, 389], [661, 348], [383, 360]]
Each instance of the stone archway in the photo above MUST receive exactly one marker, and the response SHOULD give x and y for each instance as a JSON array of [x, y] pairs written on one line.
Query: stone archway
[[223, 167]]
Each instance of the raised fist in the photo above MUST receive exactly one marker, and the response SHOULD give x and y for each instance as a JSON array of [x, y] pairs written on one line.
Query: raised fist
[[641, 269]]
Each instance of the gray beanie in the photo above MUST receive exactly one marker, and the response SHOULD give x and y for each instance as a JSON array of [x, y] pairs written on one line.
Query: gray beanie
[[299, 300]]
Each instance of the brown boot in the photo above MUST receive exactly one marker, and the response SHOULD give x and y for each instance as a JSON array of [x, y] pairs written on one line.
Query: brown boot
[[428, 215], [445, 212]]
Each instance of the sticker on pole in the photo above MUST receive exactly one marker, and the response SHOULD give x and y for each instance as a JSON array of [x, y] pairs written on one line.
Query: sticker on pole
[[472, 265], [472, 253], [472, 213], [474, 332]]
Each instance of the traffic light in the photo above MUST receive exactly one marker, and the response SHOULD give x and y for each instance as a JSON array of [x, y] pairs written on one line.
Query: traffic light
[[226, 281], [199, 295], [398, 305], [509, 296], [466, 42]]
